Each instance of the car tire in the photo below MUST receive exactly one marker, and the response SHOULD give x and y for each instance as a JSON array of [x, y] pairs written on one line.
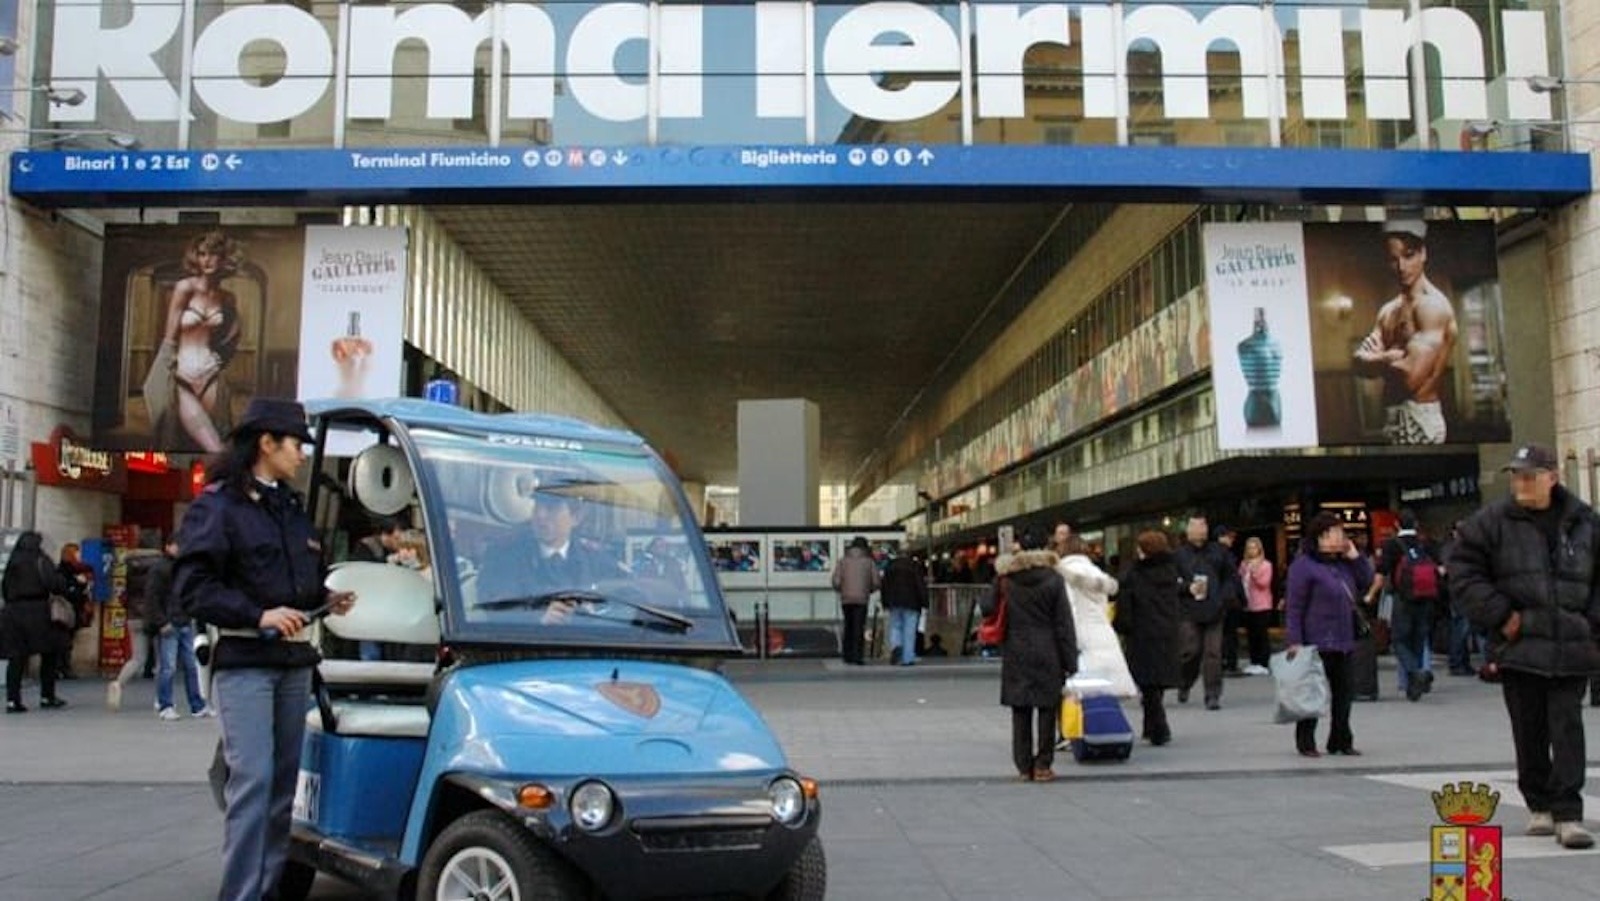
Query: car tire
[[488, 842], [807, 879], [294, 884]]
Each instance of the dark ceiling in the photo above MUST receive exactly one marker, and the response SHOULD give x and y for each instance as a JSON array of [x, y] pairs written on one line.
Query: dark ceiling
[[676, 312]]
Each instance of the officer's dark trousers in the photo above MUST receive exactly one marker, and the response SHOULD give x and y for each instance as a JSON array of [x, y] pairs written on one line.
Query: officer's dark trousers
[[1547, 728], [855, 626]]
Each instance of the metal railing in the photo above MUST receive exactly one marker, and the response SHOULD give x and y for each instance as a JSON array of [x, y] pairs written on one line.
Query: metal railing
[[952, 615]]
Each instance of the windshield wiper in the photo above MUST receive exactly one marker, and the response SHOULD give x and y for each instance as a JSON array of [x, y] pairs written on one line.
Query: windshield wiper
[[535, 601], [665, 620]]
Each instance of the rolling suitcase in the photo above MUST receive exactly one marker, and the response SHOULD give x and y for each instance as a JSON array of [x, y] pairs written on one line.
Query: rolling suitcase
[[1107, 735]]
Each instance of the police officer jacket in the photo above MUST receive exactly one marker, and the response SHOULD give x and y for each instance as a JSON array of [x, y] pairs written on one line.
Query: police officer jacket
[[244, 552], [1502, 562]]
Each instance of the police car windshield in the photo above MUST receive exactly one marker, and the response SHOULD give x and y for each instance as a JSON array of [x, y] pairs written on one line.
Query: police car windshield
[[567, 541]]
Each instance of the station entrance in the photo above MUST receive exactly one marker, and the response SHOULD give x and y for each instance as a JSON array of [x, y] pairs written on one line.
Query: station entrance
[[991, 252]]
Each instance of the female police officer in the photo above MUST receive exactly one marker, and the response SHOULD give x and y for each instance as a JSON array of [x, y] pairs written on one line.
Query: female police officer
[[251, 563]]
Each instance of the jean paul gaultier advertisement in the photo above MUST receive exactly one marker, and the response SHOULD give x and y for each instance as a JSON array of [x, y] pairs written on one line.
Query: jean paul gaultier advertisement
[[1391, 332], [1260, 336], [353, 318]]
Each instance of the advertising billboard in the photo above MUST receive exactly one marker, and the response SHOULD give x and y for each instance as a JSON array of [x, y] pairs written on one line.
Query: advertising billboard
[[204, 317], [1356, 333]]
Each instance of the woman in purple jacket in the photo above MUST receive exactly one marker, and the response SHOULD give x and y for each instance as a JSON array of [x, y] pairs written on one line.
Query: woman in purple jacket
[[1324, 583]]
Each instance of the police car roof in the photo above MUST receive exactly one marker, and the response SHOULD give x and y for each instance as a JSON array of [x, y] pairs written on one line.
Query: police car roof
[[417, 412]]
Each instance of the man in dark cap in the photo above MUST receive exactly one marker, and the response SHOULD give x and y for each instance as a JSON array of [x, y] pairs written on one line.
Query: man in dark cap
[[1527, 569], [250, 565]]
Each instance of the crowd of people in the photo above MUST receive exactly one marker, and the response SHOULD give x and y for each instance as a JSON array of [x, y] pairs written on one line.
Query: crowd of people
[[1515, 588]]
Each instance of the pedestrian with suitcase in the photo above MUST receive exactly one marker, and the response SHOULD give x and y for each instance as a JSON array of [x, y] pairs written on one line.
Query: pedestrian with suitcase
[[1038, 652]]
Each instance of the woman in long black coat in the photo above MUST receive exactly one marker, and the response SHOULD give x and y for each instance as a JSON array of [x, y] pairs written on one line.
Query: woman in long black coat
[[1039, 652], [25, 629], [1149, 613]]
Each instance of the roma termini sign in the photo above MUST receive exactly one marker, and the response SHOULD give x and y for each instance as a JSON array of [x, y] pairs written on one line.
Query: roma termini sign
[[885, 62]]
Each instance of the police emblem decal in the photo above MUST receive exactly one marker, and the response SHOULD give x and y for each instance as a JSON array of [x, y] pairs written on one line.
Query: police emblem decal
[[638, 698]]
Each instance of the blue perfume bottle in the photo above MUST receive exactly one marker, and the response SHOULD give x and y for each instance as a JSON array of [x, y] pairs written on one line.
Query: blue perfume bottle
[[1261, 361]]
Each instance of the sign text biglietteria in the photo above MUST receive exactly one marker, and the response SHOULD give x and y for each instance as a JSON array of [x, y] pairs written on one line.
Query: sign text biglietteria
[[885, 62]]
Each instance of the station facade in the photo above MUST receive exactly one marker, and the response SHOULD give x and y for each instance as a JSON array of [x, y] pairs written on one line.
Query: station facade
[[1098, 401]]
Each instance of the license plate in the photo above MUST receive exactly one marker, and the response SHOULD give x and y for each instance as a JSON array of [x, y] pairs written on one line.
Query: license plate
[[307, 796]]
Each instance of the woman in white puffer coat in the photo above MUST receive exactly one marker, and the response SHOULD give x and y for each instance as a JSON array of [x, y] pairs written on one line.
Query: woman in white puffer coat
[[1102, 669]]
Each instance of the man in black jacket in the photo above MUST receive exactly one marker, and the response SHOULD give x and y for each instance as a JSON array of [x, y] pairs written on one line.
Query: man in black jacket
[[904, 593], [1205, 572], [1527, 569]]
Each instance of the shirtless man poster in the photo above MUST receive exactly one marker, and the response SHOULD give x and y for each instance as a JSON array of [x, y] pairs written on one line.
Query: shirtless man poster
[[1411, 341]]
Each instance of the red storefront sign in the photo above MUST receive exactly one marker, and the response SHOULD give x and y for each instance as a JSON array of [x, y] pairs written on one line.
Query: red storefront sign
[[65, 461], [154, 462]]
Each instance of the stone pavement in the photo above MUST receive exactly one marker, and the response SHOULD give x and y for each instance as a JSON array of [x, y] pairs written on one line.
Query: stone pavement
[[917, 803]]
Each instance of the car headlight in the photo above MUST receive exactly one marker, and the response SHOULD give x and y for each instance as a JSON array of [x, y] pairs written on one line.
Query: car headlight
[[788, 800], [592, 805]]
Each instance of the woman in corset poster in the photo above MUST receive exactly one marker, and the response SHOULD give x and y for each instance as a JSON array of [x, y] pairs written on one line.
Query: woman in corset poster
[[186, 388]]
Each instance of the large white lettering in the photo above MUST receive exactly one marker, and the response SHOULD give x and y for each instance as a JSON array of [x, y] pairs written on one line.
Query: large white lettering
[[308, 64], [780, 60], [1183, 42], [84, 49], [1004, 35], [881, 61], [1387, 37], [853, 60]]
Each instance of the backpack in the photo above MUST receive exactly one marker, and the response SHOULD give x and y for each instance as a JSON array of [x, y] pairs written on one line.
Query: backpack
[[1416, 576]]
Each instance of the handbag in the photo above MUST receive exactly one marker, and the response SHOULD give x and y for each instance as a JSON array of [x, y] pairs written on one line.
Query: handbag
[[1071, 717], [1358, 622], [62, 613], [992, 629]]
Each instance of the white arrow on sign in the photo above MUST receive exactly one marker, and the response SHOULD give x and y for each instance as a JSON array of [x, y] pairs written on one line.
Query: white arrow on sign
[[620, 158], [232, 161], [926, 156]]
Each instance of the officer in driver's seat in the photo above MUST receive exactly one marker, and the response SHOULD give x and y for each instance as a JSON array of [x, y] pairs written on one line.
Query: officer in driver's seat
[[555, 560]]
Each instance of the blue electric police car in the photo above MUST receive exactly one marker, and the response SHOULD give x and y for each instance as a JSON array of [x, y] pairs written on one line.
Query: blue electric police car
[[547, 720]]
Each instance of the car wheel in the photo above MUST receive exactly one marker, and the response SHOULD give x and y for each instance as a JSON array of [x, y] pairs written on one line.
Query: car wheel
[[295, 882], [807, 879], [487, 855]]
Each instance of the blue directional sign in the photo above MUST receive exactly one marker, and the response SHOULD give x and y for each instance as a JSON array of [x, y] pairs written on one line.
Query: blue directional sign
[[1200, 174]]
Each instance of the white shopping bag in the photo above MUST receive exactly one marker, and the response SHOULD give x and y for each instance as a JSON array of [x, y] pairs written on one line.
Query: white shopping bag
[[1302, 685]]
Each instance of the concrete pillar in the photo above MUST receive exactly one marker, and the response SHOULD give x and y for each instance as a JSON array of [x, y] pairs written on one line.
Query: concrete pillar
[[696, 493], [779, 445]]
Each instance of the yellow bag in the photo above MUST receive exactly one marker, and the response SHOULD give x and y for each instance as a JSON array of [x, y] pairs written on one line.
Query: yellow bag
[[1071, 718]]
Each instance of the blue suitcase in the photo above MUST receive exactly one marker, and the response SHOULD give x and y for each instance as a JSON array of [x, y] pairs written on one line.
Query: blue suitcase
[[1107, 735]]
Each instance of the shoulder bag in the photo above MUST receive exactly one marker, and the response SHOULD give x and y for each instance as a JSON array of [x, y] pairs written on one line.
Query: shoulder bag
[[992, 629], [61, 611]]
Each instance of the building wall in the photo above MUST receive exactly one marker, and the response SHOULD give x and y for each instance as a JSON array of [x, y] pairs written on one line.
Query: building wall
[[1124, 240], [49, 299], [1574, 252]]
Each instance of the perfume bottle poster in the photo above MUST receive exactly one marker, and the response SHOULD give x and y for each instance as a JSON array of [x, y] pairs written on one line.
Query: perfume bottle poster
[[352, 312], [1261, 359]]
